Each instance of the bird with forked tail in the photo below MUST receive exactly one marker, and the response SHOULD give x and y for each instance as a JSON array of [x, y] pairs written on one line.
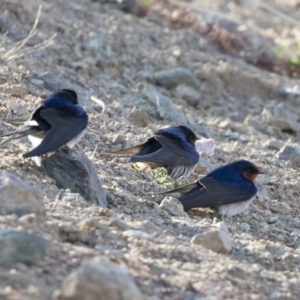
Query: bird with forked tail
[[57, 122], [172, 148], [229, 189]]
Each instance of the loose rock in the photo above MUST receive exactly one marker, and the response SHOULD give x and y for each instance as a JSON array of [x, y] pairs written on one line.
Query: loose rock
[[216, 240], [139, 118], [272, 220], [245, 226], [72, 170], [255, 122], [173, 206], [100, 279], [20, 246], [280, 116], [52, 82], [19, 197], [138, 234], [171, 78], [188, 94], [290, 153], [165, 108]]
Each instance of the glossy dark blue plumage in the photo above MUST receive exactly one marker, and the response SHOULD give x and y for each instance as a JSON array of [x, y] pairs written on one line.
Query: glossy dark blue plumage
[[227, 189], [232, 175], [57, 122], [172, 148]]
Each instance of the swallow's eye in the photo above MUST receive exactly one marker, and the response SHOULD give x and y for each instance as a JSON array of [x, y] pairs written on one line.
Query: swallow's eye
[[252, 170]]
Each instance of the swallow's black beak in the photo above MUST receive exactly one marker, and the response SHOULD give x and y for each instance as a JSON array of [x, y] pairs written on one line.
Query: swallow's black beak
[[261, 172]]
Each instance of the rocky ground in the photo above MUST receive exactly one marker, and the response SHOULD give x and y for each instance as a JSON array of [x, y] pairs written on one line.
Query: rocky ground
[[229, 86]]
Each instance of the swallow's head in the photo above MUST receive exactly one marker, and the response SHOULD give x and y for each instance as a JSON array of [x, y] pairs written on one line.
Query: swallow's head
[[190, 135], [71, 95], [247, 169]]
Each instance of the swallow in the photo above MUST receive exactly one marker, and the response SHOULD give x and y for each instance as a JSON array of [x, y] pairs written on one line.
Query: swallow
[[57, 122], [172, 148], [228, 189]]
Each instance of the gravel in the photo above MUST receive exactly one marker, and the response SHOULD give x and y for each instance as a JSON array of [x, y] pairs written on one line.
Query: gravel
[[102, 51]]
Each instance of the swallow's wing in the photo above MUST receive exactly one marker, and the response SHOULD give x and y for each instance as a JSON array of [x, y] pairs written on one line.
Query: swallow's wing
[[215, 194], [170, 154], [63, 129]]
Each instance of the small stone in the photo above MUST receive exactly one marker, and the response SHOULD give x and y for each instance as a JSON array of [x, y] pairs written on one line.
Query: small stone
[[99, 279], [255, 122], [275, 295], [273, 144], [73, 234], [246, 236], [118, 139], [52, 82], [37, 82], [92, 223], [189, 95], [148, 227], [172, 78], [30, 218], [139, 118], [221, 226], [245, 227], [162, 106], [216, 240], [288, 92], [19, 197], [272, 220], [119, 224], [291, 154], [173, 206], [138, 234], [280, 116], [20, 246]]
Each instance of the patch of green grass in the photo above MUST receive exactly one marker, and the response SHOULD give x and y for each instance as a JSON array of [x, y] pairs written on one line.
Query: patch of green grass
[[22, 148], [161, 176], [136, 168], [145, 3]]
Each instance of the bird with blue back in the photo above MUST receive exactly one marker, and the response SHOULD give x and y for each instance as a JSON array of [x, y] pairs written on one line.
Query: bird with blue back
[[228, 189], [172, 148], [59, 121]]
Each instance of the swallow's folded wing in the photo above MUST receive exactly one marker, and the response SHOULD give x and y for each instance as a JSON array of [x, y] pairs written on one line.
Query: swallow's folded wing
[[64, 128], [215, 194], [170, 154]]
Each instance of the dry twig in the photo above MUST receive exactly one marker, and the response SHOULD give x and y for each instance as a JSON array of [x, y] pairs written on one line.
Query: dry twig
[[18, 51]]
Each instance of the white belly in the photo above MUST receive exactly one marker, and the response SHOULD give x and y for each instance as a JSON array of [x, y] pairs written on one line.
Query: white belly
[[37, 139], [182, 171], [233, 209], [73, 142]]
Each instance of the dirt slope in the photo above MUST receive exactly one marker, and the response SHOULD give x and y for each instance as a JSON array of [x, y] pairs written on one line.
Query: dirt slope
[[112, 55]]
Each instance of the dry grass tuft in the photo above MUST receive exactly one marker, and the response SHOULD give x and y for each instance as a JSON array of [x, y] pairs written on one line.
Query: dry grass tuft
[[19, 49]]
